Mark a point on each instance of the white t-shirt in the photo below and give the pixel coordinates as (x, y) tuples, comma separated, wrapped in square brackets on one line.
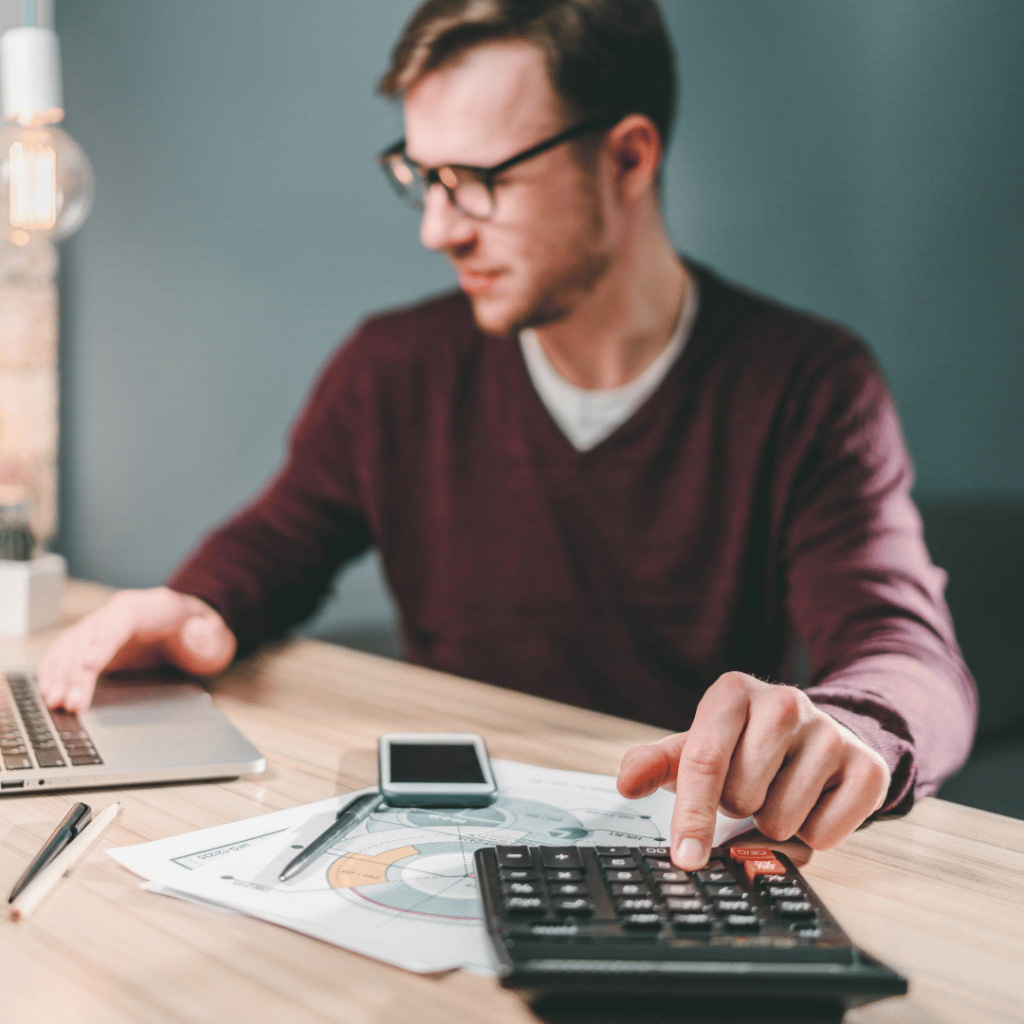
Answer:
[(588, 416)]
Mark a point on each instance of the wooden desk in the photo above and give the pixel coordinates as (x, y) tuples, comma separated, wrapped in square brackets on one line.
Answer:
[(939, 895)]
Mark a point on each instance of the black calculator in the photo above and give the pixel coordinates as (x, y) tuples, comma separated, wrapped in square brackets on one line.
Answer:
[(623, 921)]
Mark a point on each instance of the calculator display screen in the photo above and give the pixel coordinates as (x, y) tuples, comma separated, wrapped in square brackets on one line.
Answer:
[(431, 762)]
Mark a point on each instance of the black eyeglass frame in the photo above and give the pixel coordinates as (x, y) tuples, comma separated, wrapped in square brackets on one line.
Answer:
[(486, 175)]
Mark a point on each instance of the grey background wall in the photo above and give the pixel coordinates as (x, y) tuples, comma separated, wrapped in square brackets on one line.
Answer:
[(860, 158)]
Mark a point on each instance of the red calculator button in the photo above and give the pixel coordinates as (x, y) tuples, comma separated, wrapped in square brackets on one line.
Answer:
[(770, 866), (742, 853)]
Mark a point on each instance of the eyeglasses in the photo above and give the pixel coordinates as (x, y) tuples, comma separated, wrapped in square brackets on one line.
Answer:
[(470, 189)]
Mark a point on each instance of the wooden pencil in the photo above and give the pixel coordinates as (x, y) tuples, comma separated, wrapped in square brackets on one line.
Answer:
[(33, 893)]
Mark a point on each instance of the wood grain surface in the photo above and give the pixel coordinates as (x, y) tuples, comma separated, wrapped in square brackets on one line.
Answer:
[(938, 895)]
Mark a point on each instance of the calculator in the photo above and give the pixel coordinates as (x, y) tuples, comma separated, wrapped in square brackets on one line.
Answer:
[(624, 921)]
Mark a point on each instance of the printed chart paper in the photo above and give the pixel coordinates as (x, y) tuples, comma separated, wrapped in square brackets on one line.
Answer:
[(400, 887)]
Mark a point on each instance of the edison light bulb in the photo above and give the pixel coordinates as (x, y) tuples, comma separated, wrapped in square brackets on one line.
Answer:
[(46, 182)]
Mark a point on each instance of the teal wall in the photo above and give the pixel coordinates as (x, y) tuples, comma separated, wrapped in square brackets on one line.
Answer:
[(860, 158)]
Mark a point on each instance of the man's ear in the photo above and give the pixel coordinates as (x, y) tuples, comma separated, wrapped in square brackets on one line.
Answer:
[(635, 146)]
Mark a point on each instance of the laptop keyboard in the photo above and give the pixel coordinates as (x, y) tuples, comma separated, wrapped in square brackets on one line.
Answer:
[(29, 732)]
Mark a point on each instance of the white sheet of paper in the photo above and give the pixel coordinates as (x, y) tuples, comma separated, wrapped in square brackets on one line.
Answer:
[(400, 887)]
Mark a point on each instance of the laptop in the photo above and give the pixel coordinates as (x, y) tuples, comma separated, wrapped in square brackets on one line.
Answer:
[(140, 729)]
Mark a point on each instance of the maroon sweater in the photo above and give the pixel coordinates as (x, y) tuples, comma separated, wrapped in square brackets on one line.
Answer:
[(761, 492)]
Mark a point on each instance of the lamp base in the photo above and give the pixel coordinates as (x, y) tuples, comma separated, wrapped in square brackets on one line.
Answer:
[(31, 593)]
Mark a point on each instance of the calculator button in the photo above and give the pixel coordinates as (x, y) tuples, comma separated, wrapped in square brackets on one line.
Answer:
[(560, 857), (671, 876), (714, 875), (613, 851), (784, 892), (805, 932), (743, 923), (795, 909), (580, 907), (517, 875), (693, 905), (625, 876), (641, 922), (734, 907), (630, 889), (770, 866), (628, 905), (691, 922), (618, 862), (672, 889), (742, 853), (725, 890), (513, 856), (522, 889), (531, 905), (647, 852), (568, 889), (566, 875)]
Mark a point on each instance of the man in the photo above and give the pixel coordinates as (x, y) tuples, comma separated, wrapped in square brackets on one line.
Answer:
[(597, 473)]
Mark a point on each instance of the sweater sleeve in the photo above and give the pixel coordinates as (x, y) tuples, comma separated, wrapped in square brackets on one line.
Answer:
[(267, 567), (865, 599)]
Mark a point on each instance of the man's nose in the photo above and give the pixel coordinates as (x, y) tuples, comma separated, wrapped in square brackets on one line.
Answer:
[(442, 226)]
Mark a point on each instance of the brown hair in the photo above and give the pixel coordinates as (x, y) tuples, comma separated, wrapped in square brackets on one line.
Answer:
[(603, 56)]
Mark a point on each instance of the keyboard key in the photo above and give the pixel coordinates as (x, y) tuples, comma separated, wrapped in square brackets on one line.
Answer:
[(560, 857), (514, 856), (15, 762), (50, 759), (568, 875), (77, 759)]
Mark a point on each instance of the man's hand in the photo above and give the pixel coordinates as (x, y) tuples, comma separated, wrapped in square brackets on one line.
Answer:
[(135, 629), (761, 749)]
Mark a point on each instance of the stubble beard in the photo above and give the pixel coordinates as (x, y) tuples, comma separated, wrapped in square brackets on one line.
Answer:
[(590, 260)]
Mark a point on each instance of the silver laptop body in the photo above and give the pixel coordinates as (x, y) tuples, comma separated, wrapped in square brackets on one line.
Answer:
[(141, 729)]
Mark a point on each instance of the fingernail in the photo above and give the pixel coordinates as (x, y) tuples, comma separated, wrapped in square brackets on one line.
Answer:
[(690, 854), (197, 636)]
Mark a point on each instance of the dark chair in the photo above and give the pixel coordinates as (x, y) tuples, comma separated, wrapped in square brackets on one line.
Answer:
[(980, 543)]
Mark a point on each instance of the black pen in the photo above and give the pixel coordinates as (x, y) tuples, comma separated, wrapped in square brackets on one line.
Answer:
[(74, 821), (349, 816)]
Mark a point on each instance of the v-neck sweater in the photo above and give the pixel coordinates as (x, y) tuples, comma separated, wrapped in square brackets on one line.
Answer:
[(761, 493)]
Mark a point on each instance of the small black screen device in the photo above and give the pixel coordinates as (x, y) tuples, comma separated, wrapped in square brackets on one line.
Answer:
[(435, 769)]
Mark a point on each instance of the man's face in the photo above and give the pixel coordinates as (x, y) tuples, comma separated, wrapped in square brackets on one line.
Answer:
[(545, 248)]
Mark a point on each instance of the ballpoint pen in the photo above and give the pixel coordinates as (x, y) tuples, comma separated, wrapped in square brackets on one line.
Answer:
[(349, 816), (74, 821)]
